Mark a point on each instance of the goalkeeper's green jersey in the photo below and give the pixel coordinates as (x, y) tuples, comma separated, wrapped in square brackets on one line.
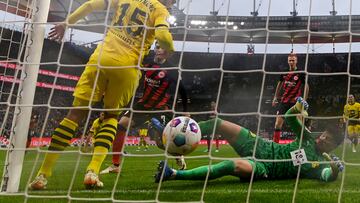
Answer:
[(272, 157), (308, 170)]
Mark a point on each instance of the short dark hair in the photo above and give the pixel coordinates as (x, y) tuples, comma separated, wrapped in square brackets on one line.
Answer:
[(292, 54), (336, 129)]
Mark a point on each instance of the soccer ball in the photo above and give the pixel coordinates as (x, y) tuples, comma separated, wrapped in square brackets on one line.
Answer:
[(181, 136)]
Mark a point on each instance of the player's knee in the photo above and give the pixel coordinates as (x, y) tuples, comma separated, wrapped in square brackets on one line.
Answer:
[(76, 115), (243, 168), (279, 123), (124, 122)]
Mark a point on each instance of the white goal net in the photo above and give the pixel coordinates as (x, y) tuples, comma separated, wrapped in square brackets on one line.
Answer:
[(229, 57)]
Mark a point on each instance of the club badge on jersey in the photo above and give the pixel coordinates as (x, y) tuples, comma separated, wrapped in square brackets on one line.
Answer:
[(161, 74)]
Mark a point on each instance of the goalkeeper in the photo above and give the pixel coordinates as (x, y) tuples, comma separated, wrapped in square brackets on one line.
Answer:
[(134, 28), (282, 167)]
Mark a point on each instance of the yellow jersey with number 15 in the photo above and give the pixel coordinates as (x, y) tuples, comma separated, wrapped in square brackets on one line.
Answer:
[(133, 27)]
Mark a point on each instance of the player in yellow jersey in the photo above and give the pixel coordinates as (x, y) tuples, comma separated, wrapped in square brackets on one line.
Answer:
[(95, 127), (143, 133), (111, 74), (351, 114)]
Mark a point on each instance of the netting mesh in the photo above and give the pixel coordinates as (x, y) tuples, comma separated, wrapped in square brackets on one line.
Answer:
[(242, 86)]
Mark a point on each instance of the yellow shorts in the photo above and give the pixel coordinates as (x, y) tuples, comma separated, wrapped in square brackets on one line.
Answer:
[(115, 86), (353, 129)]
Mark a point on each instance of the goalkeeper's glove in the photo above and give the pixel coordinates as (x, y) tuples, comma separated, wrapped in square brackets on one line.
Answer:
[(335, 160), (301, 106)]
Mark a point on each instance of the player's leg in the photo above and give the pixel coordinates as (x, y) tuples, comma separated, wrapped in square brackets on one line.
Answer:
[(239, 168), (156, 126), (145, 144), (141, 143), (279, 122), (103, 141), (217, 142), (60, 139), (118, 145), (120, 88), (29, 137), (356, 136), (208, 143), (351, 136), (277, 128), (64, 132)]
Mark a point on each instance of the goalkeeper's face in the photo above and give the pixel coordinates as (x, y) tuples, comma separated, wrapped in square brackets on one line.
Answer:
[(326, 142)]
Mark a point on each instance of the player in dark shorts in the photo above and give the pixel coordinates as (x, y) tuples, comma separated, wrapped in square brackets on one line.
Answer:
[(272, 160), (156, 96), (290, 87)]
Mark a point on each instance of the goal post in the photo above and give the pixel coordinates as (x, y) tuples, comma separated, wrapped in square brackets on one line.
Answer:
[(26, 92)]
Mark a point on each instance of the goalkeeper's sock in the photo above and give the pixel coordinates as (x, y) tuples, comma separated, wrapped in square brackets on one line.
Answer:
[(60, 139), (207, 127), (103, 141), (117, 146), (216, 170), (276, 136)]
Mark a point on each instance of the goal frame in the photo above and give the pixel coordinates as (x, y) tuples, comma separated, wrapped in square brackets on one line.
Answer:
[(25, 95)]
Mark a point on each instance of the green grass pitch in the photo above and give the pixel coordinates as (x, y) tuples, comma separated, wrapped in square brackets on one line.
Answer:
[(136, 182)]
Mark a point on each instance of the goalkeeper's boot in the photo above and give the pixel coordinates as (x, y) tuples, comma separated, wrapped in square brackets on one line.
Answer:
[(111, 169), (92, 181), (181, 163), (168, 172), (39, 183)]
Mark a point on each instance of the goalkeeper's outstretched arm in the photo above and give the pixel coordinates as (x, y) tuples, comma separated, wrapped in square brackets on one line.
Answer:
[(296, 126)]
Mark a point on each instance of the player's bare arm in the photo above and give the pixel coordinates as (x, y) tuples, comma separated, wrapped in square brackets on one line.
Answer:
[(57, 32), (306, 91), (277, 93)]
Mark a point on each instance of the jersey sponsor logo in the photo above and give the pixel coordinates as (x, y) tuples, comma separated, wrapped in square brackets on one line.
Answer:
[(290, 84), (296, 77), (315, 164), (161, 74), (152, 82)]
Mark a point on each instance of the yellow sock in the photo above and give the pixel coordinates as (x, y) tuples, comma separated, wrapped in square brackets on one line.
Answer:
[(103, 142), (48, 163), (60, 139)]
